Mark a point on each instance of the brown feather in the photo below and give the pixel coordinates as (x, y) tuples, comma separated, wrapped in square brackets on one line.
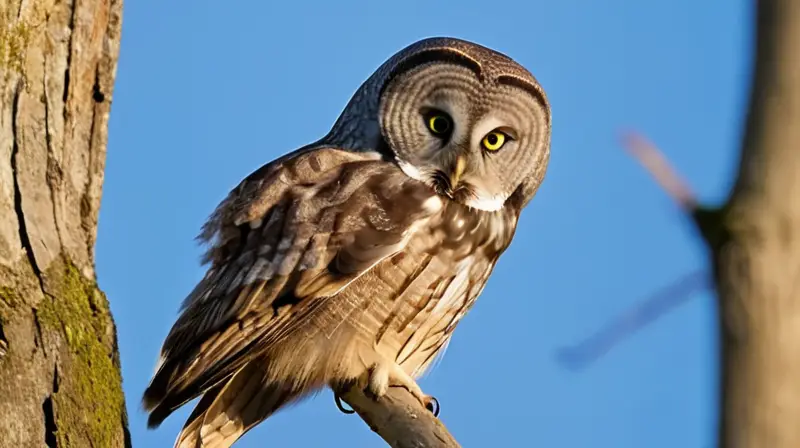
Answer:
[(235, 314), (328, 264)]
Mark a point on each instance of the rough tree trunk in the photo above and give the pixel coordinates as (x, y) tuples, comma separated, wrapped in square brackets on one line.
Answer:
[(60, 383), (755, 241)]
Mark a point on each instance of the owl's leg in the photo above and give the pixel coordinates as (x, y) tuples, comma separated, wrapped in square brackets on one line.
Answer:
[(384, 375)]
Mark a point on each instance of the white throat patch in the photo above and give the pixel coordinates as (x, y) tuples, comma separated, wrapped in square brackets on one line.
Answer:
[(410, 170), (490, 204)]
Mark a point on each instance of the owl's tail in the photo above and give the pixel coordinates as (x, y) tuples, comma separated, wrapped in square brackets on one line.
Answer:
[(230, 409)]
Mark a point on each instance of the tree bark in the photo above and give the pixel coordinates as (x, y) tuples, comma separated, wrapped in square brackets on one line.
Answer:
[(60, 383), (755, 244)]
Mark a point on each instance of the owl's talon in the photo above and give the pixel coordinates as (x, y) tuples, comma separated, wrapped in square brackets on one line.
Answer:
[(433, 405), (340, 405), (371, 394)]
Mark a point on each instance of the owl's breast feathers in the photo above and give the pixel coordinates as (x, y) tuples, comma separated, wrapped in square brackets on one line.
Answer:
[(316, 228)]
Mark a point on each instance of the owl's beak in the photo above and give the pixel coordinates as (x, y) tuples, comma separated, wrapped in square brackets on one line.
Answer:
[(458, 170)]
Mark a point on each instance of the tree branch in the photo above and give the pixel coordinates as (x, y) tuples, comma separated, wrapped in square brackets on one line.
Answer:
[(754, 245), (654, 162), (400, 419), (590, 349), (657, 165)]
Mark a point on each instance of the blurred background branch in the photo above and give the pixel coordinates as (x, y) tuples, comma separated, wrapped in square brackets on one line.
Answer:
[(754, 248), (584, 353)]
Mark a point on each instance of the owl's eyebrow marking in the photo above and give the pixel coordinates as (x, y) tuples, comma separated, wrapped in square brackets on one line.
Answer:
[(448, 55), (524, 84)]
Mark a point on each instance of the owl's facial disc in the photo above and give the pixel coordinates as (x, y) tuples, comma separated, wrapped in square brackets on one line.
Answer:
[(495, 160), (476, 134), (454, 159)]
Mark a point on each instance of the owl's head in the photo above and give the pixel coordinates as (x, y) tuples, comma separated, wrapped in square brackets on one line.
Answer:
[(467, 120)]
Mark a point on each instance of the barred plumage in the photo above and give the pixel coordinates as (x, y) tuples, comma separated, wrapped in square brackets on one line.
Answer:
[(337, 261)]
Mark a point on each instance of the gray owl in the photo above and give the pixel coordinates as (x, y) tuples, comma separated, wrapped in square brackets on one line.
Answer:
[(352, 259)]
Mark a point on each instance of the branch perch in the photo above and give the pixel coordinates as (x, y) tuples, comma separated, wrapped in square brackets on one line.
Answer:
[(400, 419)]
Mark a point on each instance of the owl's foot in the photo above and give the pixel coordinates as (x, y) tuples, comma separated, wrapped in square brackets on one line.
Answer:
[(340, 405), (385, 375)]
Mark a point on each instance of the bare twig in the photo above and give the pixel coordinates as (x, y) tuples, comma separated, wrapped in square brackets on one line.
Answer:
[(657, 165), (589, 350), (580, 355), (400, 419)]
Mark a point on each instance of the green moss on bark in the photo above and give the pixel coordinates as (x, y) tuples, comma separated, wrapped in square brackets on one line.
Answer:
[(88, 402), (8, 296), (8, 301), (16, 37)]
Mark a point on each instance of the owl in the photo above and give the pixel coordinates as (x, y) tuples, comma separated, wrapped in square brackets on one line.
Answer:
[(351, 260)]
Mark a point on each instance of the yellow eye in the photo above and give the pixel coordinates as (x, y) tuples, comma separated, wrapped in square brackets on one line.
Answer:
[(439, 124), (494, 141)]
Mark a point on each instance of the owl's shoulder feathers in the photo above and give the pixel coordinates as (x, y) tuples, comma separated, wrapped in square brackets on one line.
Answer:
[(293, 233)]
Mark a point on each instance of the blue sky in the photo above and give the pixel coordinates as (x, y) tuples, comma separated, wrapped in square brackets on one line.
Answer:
[(206, 93)]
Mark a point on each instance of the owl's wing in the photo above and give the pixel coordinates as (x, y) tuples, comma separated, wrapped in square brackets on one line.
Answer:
[(291, 235)]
